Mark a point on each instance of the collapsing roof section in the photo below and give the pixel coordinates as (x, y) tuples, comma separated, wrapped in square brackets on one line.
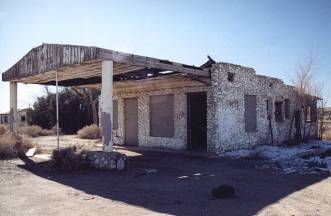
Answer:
[(81, 66)]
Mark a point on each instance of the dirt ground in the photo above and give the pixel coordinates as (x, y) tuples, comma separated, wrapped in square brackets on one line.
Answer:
[(159, 183)]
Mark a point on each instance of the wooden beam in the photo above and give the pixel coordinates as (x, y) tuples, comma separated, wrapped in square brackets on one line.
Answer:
[(83, 62), (153, 84), (150, 62), (75, 82), (49, 57)]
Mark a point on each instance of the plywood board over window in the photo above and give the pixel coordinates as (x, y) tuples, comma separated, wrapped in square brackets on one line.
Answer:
[(250, 113), (161, 115)]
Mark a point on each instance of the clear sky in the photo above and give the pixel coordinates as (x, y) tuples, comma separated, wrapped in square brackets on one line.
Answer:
[(274, 37)]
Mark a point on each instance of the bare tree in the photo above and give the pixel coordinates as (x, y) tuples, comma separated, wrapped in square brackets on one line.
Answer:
[(307, 93), (322, 127)]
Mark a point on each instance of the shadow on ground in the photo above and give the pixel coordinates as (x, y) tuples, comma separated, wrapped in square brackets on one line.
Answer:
[(181, 184)]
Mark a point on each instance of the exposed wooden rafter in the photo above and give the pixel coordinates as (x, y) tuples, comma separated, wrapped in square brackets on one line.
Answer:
[(150, 62), (81, 65)]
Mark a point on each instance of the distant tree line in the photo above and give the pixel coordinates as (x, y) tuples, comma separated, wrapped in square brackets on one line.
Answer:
[(77, 107)]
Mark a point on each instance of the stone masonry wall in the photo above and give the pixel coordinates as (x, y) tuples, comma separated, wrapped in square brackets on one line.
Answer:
[(226, 108), (179, 141), (225, 111)]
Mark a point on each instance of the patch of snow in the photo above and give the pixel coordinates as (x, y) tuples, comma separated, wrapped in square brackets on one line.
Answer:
[(303, 158)]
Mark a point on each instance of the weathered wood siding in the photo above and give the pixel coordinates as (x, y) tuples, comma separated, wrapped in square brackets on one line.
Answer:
[(49, 57)]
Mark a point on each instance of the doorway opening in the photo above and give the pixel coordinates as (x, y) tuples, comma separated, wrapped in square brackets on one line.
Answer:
[(197, 121)]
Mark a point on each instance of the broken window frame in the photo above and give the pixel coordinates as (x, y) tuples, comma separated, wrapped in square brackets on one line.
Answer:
[(230, 77)]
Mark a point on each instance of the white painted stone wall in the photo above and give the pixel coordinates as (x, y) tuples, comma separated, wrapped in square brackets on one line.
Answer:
[(179, 141), (226, 105), (225, 111)]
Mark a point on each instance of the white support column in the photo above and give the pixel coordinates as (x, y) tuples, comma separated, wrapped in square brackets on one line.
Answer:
[(107, 105), (13, 107)]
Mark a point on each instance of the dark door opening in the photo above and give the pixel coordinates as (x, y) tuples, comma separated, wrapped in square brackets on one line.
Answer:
[(197, 121), (131, 121)]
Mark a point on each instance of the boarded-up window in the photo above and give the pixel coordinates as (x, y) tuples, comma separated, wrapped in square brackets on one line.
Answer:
[(287, 108), (161, 120), (115, 115), (250, 113), (279, 111)]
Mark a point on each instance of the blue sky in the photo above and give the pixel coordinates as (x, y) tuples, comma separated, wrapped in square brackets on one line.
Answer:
[(274, 37)]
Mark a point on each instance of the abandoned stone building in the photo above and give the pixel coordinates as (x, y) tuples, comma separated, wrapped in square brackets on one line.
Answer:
[(158, 103), (22, 117)]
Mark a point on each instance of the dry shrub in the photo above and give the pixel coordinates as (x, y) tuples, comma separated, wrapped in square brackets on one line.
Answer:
[(89, 132), (23, 145), (34, 131), (7, 146), (68, 159), (3, 129), (53, 130), (12, 146)]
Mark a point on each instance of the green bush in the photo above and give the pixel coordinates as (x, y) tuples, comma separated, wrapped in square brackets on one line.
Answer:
[(89, 132)]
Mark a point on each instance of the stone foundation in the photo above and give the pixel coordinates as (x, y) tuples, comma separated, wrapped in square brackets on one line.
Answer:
[(106, 160)]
